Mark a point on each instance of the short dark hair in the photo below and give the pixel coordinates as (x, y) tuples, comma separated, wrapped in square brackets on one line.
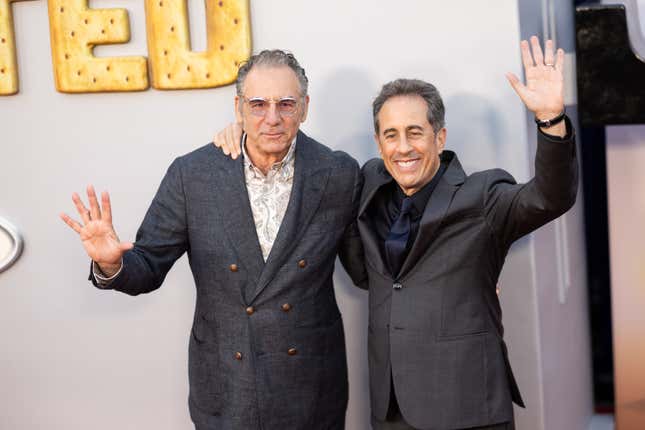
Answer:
[(412, 87), (272, 58)]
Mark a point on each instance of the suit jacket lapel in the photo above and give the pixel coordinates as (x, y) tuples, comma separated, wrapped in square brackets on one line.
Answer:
[(309, 181), (434, 213), (232, 199)]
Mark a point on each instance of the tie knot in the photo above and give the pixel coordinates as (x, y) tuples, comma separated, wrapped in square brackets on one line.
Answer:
[(406, 205)]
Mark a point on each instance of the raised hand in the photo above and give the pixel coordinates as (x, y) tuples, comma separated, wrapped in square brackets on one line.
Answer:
[(228, 140), (96, 231), (543, 93)]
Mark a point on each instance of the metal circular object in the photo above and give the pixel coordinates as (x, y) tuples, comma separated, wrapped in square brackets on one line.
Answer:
[(14, 254)]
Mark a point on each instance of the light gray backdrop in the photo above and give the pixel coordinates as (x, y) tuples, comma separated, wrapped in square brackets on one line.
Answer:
[(73, 357)]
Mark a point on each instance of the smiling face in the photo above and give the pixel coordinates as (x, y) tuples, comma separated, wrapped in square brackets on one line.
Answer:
[(408, 145), (270, 135)]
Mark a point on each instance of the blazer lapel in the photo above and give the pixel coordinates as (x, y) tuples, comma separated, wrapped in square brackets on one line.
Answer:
[(434, 213), (232, 199), (309, 182)]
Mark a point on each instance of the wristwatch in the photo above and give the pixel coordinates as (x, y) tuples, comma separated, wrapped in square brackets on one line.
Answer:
[(546, 123)]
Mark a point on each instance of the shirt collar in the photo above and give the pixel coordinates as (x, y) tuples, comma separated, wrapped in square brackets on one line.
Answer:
[(285, 166), (420, 198)]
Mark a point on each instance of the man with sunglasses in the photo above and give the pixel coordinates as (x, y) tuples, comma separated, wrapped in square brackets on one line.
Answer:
[(262, 233)]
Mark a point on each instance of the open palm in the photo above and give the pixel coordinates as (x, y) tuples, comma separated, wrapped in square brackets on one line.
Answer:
[(543, 93), (96, 231)]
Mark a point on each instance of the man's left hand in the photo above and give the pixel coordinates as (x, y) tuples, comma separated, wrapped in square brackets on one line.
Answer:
[(543, 93)]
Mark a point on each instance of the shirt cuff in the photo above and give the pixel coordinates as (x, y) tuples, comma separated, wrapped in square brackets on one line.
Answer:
[(101, 278)]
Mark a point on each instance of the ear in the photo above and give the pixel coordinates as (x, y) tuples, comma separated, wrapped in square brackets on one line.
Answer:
[(238, 110), (441, 139), (305, 109)]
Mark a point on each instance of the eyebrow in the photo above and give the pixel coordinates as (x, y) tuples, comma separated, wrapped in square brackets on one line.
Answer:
[(408, 128), (264, 99)]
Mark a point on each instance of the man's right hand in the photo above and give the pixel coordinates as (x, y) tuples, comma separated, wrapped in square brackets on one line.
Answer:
[(97, 233), (228, 140)]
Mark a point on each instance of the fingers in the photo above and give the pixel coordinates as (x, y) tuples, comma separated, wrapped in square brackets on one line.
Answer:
[(107, 206), (70, 222), (126, 246), (81, 209), (217, 140), (559, 61), (537, 51), (527, 60), (237, 129), (94, 213), (535, 57), (549, 59), (229, 139), (233, 134), (519, 88), (95, 210)]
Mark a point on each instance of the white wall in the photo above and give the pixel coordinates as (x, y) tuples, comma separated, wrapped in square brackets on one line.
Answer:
[(74, 357)]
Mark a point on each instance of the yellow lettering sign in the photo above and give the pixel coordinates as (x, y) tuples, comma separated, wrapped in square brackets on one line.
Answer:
[(8, 63), (75, 29), (175, 66)]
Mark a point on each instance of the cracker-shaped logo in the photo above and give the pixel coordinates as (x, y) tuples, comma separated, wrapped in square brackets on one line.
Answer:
[(8, 64), (175, 66), (75, 29)]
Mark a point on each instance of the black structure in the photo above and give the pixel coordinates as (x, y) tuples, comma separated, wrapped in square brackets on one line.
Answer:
[(611, 90), (611, 77)]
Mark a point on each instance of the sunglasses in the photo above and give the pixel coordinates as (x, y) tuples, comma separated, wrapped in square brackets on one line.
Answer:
[(259, 106)]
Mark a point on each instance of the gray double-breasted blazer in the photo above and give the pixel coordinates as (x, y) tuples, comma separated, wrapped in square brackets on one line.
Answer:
[(436, 330), (267, 348)]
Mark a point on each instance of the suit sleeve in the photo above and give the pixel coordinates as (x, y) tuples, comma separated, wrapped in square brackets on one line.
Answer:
[(350, 249), (514, 210), (160, 241)]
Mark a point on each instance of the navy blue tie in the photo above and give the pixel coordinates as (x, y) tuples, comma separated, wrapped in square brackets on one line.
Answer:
[(397, 238)]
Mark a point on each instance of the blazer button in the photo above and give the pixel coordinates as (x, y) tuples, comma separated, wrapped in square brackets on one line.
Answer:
[(397, 286), (292, 351), (238, 355), (250, 310), (286, 307), (233, 267), (302, 264)]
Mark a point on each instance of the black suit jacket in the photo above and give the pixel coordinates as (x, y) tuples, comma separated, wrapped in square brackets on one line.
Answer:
[(440, 335), (267, 347)]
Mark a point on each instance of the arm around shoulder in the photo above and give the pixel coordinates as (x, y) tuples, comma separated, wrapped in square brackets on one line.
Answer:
[(350, 250)]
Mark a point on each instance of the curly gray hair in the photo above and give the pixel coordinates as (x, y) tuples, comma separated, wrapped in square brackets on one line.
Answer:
[(272, 58)]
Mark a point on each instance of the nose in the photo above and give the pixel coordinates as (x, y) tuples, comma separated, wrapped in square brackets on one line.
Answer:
[(272, 116), (403, 146)]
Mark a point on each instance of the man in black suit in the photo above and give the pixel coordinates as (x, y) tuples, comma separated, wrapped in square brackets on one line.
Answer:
[(435, 241)]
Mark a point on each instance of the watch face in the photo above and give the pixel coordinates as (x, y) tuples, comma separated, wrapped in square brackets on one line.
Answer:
[(10, 244)]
